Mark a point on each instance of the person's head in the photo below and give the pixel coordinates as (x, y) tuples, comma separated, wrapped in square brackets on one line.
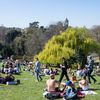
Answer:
[(69, 83), (52, 76), (51, 69)]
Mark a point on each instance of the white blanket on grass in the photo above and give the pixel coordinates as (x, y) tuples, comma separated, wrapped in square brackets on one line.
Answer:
[(89, 92)]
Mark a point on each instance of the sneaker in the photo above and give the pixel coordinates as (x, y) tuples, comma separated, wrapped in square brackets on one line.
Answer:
[(95, 81), (18, 81), (7, 83)]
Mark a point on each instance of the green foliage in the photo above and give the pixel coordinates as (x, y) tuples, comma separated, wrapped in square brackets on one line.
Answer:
[(6, 51), (31, 40), (11, 35), (67, 44)]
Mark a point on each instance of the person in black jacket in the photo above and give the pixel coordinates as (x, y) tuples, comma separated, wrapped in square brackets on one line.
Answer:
[(90, 70), (64, 67)]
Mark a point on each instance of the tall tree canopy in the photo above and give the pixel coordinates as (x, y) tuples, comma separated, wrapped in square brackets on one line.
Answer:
[(67, 44)]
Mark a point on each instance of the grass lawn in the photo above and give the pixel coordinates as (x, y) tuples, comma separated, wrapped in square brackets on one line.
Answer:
[(29, 89)]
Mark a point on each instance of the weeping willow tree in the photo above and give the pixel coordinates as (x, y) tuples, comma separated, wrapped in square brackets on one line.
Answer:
[(67, 44)]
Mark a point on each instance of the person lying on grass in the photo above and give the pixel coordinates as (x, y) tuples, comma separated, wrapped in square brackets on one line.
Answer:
[(2, 79), (9, 79)]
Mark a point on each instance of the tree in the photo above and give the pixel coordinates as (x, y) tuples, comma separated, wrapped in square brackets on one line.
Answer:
[(34, 24), (6, 51), (95, 33), (67, 45), (18, 46), (11, 35), (66, 24)]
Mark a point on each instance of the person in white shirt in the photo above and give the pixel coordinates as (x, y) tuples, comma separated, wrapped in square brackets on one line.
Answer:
[(84, 83)]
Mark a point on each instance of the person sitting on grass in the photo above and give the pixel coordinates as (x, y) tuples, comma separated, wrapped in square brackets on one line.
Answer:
[(2, 80), (10, 80), (71, 92), (83, 84), (73, 78), (56, 71), (51, 84), (52, 87), (9, 77), (52, 71), (97, 72), (46, 70)]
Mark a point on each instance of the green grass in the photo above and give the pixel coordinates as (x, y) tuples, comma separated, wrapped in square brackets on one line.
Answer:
[(29, 89)]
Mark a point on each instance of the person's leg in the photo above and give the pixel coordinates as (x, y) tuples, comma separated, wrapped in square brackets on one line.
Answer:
[(92, 76), (88, 74), (40, 76), (66, 75), (37, 75), (61, 76)]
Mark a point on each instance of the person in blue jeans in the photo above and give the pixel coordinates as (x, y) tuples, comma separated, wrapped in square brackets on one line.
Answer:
[(38, 70)]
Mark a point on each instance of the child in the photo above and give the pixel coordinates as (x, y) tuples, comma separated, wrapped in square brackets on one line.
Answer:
[(84, 84), (73, 78)]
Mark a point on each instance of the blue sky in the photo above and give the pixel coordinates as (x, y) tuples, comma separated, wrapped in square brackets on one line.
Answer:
[(19, 13)]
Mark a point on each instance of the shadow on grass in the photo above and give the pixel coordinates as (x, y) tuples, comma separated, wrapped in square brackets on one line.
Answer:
[(94, 89)]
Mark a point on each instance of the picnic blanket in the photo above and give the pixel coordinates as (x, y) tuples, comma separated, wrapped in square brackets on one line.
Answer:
[(89, 92)]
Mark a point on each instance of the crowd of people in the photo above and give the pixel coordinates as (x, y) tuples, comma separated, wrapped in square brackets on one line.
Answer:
[(10, 66), (54, 88), (69, 88)]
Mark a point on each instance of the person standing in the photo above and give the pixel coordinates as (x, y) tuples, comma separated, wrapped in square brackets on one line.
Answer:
[(64, 68), (90, 70), (38, 70)]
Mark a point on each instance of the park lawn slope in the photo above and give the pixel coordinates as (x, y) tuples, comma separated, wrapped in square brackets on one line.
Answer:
[(29, 89)]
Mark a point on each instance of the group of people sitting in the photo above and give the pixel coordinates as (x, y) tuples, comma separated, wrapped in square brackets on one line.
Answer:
[(81, 72), (65, 90), (48, 71), (10, 66), (28, 65), (9, 79)]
